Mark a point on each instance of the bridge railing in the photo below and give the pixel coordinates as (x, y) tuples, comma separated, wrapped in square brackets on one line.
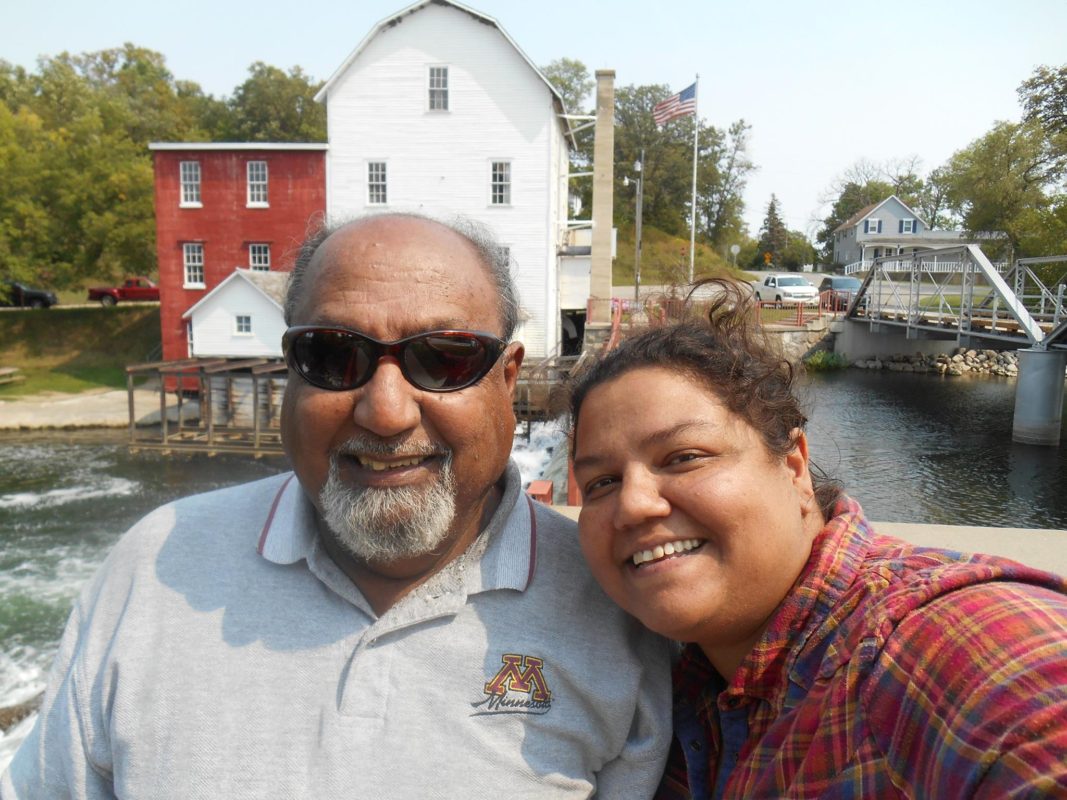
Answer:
[(955, 290)]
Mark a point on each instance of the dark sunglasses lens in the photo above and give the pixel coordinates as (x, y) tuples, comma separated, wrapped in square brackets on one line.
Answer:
[(332, 359), (441, 361)]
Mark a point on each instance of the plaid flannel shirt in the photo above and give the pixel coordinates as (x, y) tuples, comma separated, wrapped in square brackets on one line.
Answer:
[(890, 671)]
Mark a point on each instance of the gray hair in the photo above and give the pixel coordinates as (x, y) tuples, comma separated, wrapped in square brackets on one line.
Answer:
[(494, 256)]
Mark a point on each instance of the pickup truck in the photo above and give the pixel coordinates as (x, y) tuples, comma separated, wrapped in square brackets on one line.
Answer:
[(138, 288)]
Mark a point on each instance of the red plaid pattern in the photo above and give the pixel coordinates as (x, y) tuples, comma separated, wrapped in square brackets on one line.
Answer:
[(891, 671)]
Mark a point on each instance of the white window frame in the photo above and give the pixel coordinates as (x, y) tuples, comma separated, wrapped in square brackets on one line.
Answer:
[(257, 184), (189, 180), (193, 264), (874, 226), (241, 321), (377, 181), (437, 88), (259, 256), (908, 226), (500, 182)]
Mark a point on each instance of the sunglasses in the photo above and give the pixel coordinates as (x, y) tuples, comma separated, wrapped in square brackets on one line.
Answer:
[(338, 359)]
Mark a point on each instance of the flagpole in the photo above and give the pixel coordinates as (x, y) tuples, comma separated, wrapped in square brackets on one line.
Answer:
[(693, 206)]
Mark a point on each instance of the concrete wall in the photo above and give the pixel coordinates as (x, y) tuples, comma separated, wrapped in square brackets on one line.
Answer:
[(855, 340)]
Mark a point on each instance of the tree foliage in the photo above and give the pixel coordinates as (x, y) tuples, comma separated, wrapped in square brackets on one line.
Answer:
[(76, 177), (572, 80), (1000, 182), (723, 165), (275, 106), (773, 237), (1044, 99)]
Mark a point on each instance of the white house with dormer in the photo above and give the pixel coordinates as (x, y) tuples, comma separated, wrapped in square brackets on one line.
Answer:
[(887, 228), (438, 110)]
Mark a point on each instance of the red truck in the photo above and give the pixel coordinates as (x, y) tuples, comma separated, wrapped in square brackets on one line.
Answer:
[(139, 288)]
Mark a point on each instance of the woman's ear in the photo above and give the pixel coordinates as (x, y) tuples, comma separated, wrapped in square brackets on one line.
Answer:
[(797, 462)]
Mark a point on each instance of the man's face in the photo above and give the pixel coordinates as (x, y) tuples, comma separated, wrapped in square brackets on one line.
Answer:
[(401, 476)]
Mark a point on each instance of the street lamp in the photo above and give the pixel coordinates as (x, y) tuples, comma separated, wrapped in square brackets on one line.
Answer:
[(626, 181)]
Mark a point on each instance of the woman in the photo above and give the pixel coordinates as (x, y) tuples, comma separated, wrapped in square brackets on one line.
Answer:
[(821, 659)]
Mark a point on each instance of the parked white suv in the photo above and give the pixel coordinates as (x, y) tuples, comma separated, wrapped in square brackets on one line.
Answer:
[(786, 289)]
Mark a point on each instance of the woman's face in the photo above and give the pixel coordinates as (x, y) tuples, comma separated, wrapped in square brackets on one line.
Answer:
[(687, 521)]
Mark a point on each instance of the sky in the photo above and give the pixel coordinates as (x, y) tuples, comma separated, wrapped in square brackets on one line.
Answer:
[(823, 84)]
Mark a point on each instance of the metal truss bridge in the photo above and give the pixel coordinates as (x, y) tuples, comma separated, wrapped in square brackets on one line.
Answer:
[(957, 292)]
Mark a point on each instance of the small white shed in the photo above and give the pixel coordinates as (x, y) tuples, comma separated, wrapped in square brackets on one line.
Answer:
[(240, 318)]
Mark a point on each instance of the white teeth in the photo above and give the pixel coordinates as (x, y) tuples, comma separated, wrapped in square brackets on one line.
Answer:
[(379, 466), (662, 551)]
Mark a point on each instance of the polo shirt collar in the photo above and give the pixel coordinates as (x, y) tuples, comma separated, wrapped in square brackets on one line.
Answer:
[(511, 551)]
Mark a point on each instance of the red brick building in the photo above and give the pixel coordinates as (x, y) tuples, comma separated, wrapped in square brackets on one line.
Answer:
[(220, 206)]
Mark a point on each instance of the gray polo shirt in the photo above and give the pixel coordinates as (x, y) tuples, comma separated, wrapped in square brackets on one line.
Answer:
[(220, 652)]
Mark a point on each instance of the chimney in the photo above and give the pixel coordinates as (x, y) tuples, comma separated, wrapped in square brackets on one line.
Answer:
[(603, 193)]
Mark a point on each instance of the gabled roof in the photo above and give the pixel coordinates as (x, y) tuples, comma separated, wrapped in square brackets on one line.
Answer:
[(863, 213), (398, 17), (271, 285)]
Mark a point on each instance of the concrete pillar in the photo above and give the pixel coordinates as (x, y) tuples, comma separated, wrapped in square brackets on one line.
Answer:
[(1039, 397), (603, 194)]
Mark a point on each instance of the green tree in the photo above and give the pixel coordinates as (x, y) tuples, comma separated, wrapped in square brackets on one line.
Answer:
[(667, 166), (774, 236), (798, 251), (1044, 99), (722, 167), (572, 80), (76, 184), (724, 170), (1004, 182), (275, 106)]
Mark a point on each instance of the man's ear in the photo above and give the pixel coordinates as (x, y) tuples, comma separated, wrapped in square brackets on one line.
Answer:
[(512, 362)]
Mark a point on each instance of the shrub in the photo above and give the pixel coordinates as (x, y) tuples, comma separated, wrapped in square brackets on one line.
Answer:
[(825, 361)]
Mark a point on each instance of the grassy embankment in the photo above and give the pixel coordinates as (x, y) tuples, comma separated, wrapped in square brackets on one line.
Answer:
[(665, 259), (75, 349)]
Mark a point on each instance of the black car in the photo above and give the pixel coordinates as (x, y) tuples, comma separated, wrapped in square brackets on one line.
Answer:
[(841, 291), (13, 293)]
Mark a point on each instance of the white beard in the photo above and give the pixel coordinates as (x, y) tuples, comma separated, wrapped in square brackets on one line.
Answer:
[(384, 525)]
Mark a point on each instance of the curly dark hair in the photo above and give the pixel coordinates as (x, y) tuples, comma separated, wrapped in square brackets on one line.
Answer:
[(733, 358)]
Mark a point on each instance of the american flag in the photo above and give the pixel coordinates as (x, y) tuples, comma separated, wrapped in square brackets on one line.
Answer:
[(678, 105)]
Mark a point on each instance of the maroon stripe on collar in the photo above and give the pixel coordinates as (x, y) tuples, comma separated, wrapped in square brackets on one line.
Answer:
[(533, 541), (270, 516)]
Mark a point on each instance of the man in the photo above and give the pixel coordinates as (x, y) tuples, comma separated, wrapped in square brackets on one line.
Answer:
[(399, 620)]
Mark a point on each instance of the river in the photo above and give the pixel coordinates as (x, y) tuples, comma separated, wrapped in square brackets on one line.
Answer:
[(910, 448)]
